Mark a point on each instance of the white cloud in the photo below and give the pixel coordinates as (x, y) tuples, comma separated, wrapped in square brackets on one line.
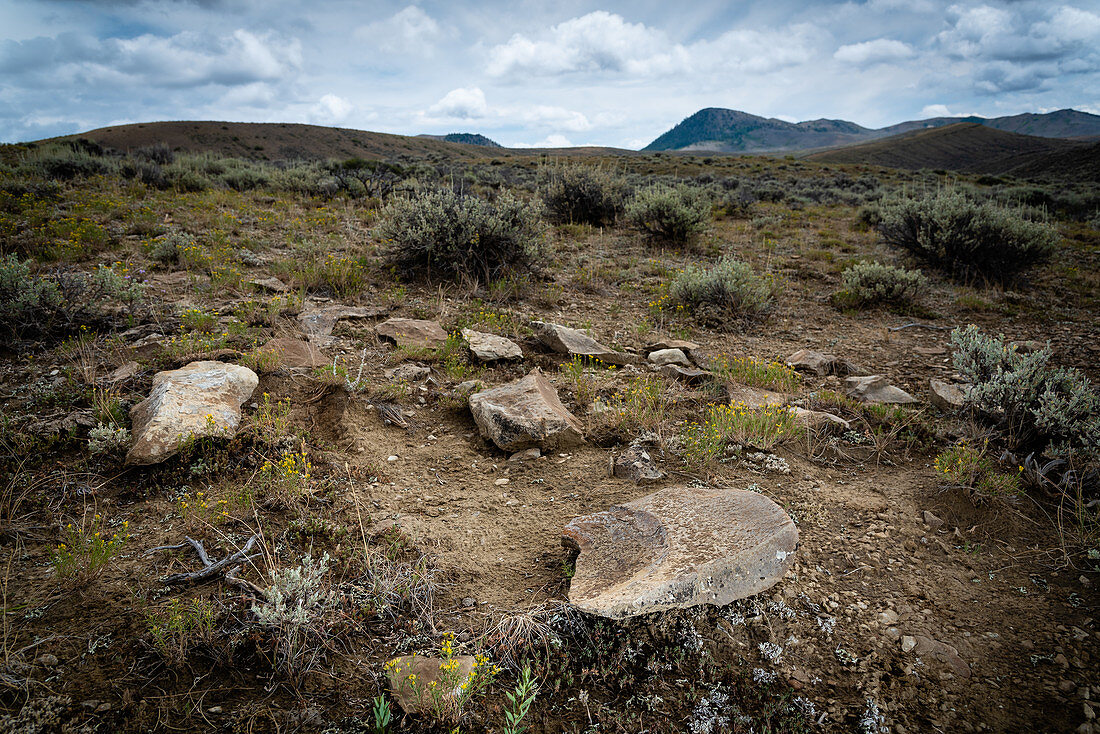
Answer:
[(331, 108), (408, 30), (550, 141), (465, 103), (602, 42), (874, 52)]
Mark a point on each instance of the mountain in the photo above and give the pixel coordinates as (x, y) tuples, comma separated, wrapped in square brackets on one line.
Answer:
[(972, 147), (467, 138), (731, 131)]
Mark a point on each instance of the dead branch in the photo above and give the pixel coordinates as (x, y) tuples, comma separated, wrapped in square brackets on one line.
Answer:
[(210, 568), (921, 326)]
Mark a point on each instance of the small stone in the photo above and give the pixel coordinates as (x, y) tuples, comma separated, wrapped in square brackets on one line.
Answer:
[(318, 321), (636, 465), (1066, 686), (46, 660), (469, 601), (888, 618), (408, 372), (1060, 659), (663, 357), (806, 360), (501, 482), (934, 523), (907, 643), (876, 389), (690, 375), (467, 387), (525, 455), (576, 343), (524, 414), (391, 458), (125, 372), (294, 353), (948, 396), (819, 420), (754, 397), (271, 285), (214, 710)]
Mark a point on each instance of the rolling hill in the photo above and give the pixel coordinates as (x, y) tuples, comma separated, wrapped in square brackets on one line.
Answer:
[(731, 131), (971, 147), (467, 138)]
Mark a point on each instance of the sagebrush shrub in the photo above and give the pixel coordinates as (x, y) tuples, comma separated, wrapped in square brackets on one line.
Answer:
[(729, 288), (29, 303), (670, 214), (966, 238), (293, 609), (869, 283), (448, 234), (581, 194), (1040, 406)]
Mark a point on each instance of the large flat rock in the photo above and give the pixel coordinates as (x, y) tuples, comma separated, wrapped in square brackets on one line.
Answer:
[(413, 333), (490, 347), (876, 389), (198, 399), (678, 548), (576, 343), (525, 414)]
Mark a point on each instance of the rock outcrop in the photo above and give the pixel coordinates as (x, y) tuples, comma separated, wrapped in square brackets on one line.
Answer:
[(678, 548), (199, 399), (525, 414)]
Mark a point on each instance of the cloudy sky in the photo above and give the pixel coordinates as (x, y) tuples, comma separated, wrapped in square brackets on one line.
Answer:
[(536, 73)]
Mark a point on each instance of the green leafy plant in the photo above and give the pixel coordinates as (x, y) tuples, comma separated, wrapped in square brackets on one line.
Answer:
[(870, 283), (973, 469), (87, 549), (179, 627), (519, 702), (380, 708), (729, 288)]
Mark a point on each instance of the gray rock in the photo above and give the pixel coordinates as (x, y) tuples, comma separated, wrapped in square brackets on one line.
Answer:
[(948, 396), (679, 547), (490, 347), (754, 397), (636, 465), (525, 456), (576, 343), (467, 387), (933, 522), (662, 357), (806, 360), (123, 373), (1028, 346), (271, 285), (524, 414), (688, 348), (319, 321), (818, 420), (408, 372), (876, 389), (690, 375), (412, 333), (199, 399)]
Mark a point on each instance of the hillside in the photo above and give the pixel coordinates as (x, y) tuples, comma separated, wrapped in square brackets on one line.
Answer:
[(731, 131), (972, 148), (277, 141), (467, 138)]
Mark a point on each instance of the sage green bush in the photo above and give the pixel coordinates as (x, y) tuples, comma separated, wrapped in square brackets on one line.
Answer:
[(673, 215), (965, 238), (442, 233), (871, 283), (728, 289), (582, 194)]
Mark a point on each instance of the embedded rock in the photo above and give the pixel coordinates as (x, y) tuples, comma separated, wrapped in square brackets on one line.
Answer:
[(663, 357), (818, 420), (490, 347), (636, 465), (525, 414), (876, 389), (199, 399), (408, 372), (690, 375), (123, 373), (688, 348), (294, 353), (413, 333), (806, 360), (576, 343), (271, 285), (946, 655), (319, 321), (413, 679), (948, 396), (677, 548), (754, 397)]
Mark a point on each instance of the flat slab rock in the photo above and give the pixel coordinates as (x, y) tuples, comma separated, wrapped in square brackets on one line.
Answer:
[(294, 353), (525, 414), (319, 321), (948, 396), (413, 333), (576, 343), (689, 375), (415, 695), (754, 397), (807, 360), (490, 347), (199, 399), (678, 548), (876, 389)]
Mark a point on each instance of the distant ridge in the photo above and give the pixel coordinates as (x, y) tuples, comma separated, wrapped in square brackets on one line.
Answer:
[(731, 131), (466, 138), (971, 147)]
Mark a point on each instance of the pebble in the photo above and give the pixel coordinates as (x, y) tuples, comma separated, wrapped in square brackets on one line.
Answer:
[(391, 458), (501, 482), (214, 710), (47, 660), (469, 602), (907, 643), (888, 618)]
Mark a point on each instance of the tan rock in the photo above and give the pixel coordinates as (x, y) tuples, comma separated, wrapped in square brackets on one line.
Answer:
[(663, 357), (319, 321), (271, 284), (807, 360), (754, 397), (678, 548), (413, 679), (490, 347), (948, 396), (876, 389), (944, 654), (576, 343), (294, 353), (818, 420), (199, 399), (525, 414), (690, 375), (413, 333)]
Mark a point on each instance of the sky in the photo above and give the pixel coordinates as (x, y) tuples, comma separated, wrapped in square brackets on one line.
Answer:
[(537, 73)]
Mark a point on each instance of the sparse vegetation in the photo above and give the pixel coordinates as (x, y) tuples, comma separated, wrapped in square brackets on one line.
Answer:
[(582, 194), (670, 215)]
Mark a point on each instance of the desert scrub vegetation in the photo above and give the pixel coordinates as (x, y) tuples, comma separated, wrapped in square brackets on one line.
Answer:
[(670, 214), (581, 194), (451, 235), (293, 610), (772, 375), (872, 283), (725, 429), (1039, 406), (445, 697), (728, 289), (964, 238), (980, 475), (86, 549)]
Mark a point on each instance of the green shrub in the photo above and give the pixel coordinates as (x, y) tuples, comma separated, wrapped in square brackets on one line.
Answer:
[(580, 194), (28, 302), (1041, 407), (449, 234), (974, 470), (670, 214), (167, 250), (965, 238), (869, 283), (730, 288)]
